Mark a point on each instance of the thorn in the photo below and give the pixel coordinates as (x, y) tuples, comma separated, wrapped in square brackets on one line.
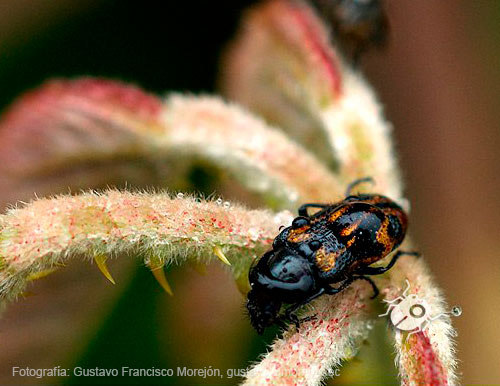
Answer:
[(160, 277), (40, 274), (220, 255), (100, 260)]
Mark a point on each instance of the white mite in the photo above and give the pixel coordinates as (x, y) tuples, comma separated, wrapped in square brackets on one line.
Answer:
[(411, 313)]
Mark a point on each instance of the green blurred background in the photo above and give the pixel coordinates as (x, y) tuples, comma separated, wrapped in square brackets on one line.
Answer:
[(439, 80)]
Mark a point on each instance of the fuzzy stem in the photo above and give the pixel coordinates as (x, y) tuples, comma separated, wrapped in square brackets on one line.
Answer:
[(261, 157), (305, 358), (65, 125), (152, 226), (427, 357)]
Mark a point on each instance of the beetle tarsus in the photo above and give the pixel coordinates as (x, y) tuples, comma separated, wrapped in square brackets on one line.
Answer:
[(299, 321)]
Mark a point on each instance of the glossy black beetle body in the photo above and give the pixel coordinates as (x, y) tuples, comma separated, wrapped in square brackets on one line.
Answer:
[(335, 245)]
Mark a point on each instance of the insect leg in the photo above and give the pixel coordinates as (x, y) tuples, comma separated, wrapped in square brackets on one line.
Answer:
[(438, 316), (347, 283), (303, 208), (332, 291), (374, 287), (389, 309), (355, 183), (290, 311), (400, 298), (417, 330), (405, 293), (380, 270)]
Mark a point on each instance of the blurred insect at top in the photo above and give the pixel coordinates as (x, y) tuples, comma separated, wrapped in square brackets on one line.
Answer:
[(357, 25)]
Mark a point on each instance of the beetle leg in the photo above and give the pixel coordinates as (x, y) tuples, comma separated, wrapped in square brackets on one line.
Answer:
[(290, 311), (303, 208), (355, 183), (332, 291), (374, 287), (308, 318), (380, 270), (347, 283), (295, 320)]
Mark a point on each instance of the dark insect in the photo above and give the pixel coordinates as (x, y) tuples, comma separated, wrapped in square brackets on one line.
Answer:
[(357, 25), (335, 245)]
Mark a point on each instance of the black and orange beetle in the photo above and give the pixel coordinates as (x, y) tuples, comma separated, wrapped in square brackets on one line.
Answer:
[(334, 245)]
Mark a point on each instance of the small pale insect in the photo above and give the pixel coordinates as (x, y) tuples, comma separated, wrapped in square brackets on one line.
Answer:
[(411, 313)]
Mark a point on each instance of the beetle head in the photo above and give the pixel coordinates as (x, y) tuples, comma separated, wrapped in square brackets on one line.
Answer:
[(262, 308), (280, 276)]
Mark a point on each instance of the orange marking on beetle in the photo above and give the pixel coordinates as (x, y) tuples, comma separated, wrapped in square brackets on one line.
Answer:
[(351, 241), (364, 262), (326, 261), (351, 228), (383, 236), (348, 230), (336, 214), (299, 235)]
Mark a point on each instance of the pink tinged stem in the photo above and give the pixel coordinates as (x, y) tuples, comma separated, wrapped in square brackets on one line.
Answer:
[(427, 356), (420, 364), (334, 335), (156, 227)]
